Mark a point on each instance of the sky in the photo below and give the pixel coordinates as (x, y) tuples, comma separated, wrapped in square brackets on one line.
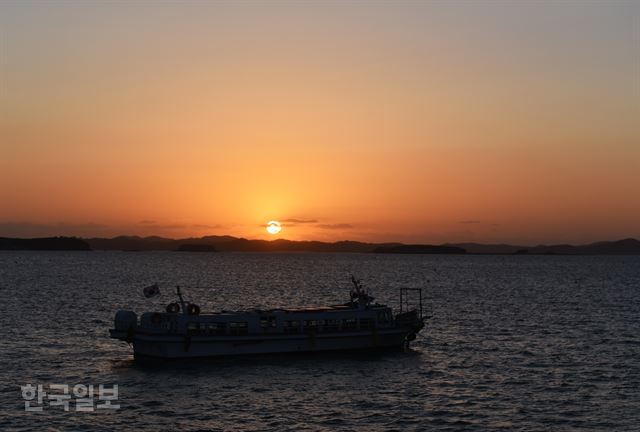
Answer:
[(411, 121)]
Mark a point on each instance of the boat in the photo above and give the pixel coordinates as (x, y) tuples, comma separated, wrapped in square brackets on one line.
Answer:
[(182, 331)]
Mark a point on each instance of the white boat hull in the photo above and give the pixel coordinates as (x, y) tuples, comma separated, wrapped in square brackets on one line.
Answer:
[(177, 347)]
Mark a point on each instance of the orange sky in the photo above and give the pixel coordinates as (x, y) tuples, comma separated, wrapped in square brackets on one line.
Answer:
[(399, 121)]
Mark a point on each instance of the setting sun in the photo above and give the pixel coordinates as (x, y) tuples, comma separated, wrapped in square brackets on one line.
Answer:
[(273, 227)]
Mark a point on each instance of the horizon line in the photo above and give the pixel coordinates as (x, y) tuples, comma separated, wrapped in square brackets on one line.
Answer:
[(328, 242)]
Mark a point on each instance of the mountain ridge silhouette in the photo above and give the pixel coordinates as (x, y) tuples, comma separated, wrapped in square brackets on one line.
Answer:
[(226, 243)]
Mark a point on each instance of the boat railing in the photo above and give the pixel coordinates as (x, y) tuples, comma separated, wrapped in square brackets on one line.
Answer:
[(408, 304)]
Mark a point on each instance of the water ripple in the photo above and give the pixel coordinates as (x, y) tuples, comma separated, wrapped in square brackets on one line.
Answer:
[(515, 343)]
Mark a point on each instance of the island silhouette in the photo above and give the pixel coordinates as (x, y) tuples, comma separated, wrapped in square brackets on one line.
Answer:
[(629, 246)]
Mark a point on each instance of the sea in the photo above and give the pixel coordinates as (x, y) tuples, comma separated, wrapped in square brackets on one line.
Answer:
[(530, 343)]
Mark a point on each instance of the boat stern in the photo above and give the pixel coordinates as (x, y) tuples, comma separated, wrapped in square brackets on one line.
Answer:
[(411, 322), (125, 323)]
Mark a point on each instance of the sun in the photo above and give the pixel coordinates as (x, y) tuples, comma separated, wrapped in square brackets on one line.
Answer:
[(273, 227)]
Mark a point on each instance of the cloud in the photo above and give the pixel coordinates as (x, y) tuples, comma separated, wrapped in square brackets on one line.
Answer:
[(29, 229), (92, 229), (338, 226), (299, 221), (156, 225), (292, 222), (205, 226), (469, 222)]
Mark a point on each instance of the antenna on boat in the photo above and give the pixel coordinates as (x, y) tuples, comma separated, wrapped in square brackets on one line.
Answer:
[(357, 286), (182, 306), (359, 294), (357, 283)]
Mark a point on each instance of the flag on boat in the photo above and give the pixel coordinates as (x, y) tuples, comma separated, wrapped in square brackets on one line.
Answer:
[(151, 291)]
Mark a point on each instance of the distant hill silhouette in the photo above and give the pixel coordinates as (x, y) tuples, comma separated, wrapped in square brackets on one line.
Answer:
[(628, 246), (419, 249), (46, 243), (228, 244), (478, 248), (153, 243)]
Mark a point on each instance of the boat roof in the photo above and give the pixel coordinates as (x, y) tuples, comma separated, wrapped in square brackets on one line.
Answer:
[(307, 309), (316, 308)]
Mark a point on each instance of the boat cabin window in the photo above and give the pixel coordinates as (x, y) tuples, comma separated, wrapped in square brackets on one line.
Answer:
[(206, 328), (216, 328), (268, 322), (291, 326), (349, 324), (331, 325), (313, 325), (238, 328)]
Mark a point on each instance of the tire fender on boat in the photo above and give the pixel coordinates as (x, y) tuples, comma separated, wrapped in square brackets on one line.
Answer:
[(173, 308)]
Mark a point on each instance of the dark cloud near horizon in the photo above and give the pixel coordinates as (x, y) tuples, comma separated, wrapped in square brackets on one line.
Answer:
[(299, 221), (154, 224), (29, 229), (292, 222), (88, 229), (335, 226), (205, 226)]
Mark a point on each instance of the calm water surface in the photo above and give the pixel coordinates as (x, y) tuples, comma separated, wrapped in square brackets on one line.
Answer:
[(515, 343)]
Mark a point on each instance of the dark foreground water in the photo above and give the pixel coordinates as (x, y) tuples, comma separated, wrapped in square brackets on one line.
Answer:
[(515, 343)]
